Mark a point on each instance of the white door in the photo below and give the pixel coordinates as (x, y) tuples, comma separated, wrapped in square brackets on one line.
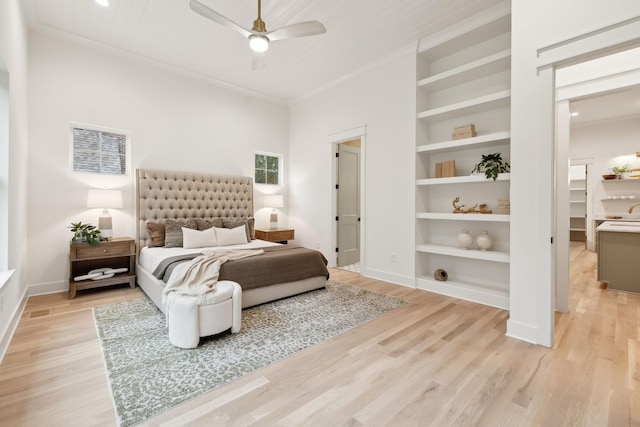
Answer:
[(348, 217)]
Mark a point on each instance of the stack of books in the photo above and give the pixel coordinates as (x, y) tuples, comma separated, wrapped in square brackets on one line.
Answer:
[(504, 207), (464, 131)]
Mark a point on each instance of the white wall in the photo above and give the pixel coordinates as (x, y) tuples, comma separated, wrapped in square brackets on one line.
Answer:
[(13, 55), (536, 25), (383, 99), (610, 143), (176, 123)]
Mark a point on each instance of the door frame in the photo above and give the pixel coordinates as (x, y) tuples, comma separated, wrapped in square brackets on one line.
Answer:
[(595, 44), (564, 97), (344, 148), (334, 139)]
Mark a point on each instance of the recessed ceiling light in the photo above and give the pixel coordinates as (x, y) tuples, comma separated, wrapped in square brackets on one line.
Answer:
[(104, 3), (575, 113)]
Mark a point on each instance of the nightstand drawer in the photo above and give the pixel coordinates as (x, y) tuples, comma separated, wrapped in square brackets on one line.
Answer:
[(106, 249), (278, 235)]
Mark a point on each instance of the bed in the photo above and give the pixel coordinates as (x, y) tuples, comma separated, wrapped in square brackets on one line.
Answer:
[(164, 197)]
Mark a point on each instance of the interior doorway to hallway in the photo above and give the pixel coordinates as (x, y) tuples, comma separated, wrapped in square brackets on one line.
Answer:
[(348, 188)]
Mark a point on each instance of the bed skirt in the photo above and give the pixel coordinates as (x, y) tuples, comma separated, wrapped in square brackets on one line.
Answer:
[(153, 288)]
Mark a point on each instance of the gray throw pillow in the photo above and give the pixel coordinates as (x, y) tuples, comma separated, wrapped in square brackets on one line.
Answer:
[(173, 231), (237, 222), (205, 224)]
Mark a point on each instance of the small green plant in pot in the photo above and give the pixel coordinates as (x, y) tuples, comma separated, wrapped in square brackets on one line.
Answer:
[(621, 170), (85, 233), (492, 165)]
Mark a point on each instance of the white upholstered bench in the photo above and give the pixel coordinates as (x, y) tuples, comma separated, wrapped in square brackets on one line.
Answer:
[(189, 321)]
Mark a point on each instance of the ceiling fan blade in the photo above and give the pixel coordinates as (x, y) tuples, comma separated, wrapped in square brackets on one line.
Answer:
[(211, 14), (301, 29), (258, 61)]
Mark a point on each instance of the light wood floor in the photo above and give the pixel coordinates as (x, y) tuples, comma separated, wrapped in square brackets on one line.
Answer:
[(437, 361)]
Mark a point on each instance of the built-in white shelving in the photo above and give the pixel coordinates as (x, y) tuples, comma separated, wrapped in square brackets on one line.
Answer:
[(483, 67), (463, 216), (492, 255), (463, 76), (477, 178), (487, 141), (578, 203), (467, 107)]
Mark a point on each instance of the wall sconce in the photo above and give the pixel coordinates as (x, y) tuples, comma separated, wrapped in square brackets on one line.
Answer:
[(105, 199), (274, 201), (637, 153)]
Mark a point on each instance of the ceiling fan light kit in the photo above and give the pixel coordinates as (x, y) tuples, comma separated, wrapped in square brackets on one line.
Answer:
[(258, 43), (258, 36)]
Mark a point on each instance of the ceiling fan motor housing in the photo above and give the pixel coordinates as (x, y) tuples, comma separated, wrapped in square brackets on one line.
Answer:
[(259, 26)]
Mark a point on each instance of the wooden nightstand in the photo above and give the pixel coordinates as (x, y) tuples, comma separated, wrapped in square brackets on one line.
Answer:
[(279, 235), (119, 252)]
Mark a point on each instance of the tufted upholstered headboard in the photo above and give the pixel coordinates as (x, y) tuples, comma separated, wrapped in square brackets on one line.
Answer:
[(162, 195)]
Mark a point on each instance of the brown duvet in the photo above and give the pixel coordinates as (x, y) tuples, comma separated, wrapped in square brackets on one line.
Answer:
[(278, 264)]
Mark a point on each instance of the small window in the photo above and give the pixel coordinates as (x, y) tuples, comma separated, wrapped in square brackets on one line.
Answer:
[(268, 169), (97, 150)]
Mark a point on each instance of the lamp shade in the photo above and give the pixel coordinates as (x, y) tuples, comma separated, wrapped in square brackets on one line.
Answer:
[(104, 199), (274, 201)]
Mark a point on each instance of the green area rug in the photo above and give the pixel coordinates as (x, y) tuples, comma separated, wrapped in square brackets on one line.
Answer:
[(148, 375)]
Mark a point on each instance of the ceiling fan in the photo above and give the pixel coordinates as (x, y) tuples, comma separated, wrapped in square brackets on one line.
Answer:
[(258, 36)]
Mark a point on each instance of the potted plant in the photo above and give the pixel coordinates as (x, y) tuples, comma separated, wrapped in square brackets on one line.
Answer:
[(491, 165), (85, 233), (621, 171)]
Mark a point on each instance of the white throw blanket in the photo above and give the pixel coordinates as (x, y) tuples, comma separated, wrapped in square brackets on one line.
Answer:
[(198, 277)]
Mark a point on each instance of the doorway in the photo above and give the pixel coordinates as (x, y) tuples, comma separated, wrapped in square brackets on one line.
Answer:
[(578, 195), (4, 166), (348, 202), (596, 128)]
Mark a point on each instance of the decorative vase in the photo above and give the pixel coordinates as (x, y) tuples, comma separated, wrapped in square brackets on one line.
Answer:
[(465, 240), (484, 241), (440, 275)]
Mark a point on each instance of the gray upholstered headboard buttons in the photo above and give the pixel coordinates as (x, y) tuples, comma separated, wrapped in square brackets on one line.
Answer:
[(162, 195)]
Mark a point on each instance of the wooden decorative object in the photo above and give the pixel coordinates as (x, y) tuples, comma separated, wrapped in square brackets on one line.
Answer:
[(446, 169), (464, 131), (482, 208), (438, 170), (457, 208)]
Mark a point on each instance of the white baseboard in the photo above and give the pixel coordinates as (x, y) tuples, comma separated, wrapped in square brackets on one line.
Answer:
[(522, 332), (47, 288), (388, 277), (11, 328), (467, 293)]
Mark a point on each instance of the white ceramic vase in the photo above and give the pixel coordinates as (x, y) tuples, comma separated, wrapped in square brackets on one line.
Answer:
[(484, 240), (465, 240)]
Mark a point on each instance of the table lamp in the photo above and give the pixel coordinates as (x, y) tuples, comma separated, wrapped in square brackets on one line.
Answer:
[(274, 201), (105, 199)]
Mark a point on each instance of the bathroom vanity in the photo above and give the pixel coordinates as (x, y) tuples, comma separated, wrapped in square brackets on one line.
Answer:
[(619, 255)]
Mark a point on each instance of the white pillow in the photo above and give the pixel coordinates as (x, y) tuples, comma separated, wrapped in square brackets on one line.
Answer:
[(198, 239), (231, 236)]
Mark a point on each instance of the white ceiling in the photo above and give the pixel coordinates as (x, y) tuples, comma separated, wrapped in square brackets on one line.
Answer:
[(359, 32), (605, 106)]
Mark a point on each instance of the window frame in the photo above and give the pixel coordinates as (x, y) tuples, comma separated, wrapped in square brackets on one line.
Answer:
[(102, 129), (280, 158)]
